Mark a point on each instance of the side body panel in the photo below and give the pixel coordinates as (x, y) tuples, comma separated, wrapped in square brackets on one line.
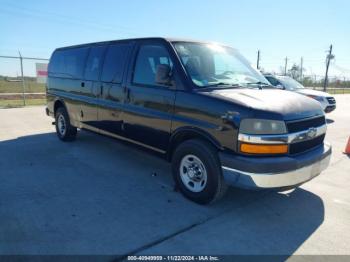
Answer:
[(111, 99), (217, 119), (148, 110)]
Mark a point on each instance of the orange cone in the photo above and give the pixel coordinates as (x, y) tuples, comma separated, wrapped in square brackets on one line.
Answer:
[(347, 148)]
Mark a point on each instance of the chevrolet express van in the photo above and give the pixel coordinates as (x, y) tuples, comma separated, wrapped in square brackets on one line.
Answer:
[(199, 104)]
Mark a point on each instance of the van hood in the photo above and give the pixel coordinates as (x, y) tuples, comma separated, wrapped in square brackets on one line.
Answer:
[(271, 103)]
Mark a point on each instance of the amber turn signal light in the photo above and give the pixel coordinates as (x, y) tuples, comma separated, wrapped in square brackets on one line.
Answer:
[(263, 149)]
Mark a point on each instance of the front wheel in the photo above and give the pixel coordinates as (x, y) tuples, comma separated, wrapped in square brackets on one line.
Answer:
[(197, 171), (65, 131)]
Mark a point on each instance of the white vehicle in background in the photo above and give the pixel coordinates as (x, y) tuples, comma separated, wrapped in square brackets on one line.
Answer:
[(327, 102)]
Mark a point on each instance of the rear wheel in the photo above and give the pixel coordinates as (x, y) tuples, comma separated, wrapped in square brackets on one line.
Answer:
[(65, 131), (197, 171)]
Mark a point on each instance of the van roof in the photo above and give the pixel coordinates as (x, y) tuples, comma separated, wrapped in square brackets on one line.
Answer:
[(168, 39)]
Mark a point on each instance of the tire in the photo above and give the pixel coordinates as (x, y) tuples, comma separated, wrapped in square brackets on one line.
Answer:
[(188, 162), (64, 130)]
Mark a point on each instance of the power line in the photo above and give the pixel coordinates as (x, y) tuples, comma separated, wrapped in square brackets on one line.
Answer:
[(56, 18), (50, 14), (340, 68)]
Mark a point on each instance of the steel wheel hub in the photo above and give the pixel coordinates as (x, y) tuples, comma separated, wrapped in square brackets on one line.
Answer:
[(61, 124), (193, 173)]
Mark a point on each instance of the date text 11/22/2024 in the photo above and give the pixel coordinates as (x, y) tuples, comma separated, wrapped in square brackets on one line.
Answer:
[(173, 258)]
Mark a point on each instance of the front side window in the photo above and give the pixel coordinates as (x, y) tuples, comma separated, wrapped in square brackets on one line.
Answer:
[(148, 58), (211, 64), (273, 80)]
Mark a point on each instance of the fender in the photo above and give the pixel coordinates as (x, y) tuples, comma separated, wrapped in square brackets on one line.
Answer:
[(60, 101), (57, 101), (188, 132)]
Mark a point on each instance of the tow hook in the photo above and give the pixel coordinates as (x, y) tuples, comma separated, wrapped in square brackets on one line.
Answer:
[(53, 123)]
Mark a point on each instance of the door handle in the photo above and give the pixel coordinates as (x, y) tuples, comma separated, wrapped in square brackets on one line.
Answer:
[(101, 91), (127, 94), (82, 84)]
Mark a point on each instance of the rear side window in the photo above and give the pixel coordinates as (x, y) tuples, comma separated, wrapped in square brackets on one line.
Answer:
[(94, 63), (115, 59), (68, 63), (148, 58)]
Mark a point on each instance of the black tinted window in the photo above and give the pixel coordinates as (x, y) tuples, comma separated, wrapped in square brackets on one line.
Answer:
[(94, 63), (56, 64), (114, 63), (148, 58), (68, 63), (273, 81)]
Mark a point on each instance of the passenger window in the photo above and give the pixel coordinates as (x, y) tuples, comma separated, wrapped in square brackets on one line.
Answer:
[(93, 64), (113, 66), (273, 81), (68, 62), (148, 58)]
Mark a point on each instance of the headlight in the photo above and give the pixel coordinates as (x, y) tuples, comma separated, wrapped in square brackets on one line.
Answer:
[(262, 127), (318, 98), (261, 130)]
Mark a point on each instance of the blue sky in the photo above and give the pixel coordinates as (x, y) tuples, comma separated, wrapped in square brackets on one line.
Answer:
[(278, 28)]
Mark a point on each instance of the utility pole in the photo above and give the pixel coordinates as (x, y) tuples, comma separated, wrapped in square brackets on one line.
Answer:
[(23, 84), (328, 60), (258, 61), (301, 69), (285, 66)]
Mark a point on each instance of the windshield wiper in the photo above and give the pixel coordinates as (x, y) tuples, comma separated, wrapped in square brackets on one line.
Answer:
[(222, 85), (259, 84)]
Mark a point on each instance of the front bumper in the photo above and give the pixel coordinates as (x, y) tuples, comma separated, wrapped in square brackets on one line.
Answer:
[(274, 172)]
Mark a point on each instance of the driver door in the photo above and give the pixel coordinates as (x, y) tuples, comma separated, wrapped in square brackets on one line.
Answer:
[(148, 108)]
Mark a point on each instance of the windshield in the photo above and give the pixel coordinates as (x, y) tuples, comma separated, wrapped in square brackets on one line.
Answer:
[(289, 83), (216, 65)]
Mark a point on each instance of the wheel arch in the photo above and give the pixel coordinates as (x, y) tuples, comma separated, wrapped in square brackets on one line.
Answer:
[(186, 133), (57, 104)]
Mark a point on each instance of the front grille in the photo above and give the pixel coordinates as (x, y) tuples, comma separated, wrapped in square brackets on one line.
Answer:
[(331, 100), (301, 125), (306, 145)]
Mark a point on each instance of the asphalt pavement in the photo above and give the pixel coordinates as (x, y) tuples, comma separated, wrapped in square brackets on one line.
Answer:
[(98, 195)]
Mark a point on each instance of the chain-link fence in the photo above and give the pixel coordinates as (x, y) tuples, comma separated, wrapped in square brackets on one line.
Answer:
[(336, 84), (22, 81)]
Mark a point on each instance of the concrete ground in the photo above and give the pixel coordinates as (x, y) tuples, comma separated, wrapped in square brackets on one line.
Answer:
[(100, 196)]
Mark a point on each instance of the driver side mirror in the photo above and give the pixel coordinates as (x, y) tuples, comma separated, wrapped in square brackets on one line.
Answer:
[(163, 75)]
